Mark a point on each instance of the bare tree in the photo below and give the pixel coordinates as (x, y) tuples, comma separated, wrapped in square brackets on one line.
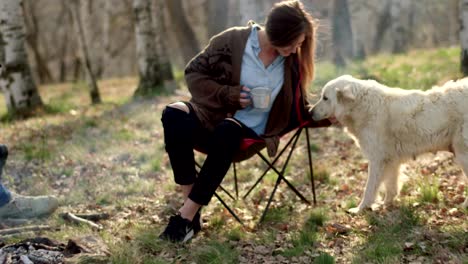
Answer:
[(149, 69), (464, 36), (65, 19), (115, 22), (342, 35), (89, 12), (250, 10), (184, 33), (401, 13), (383, 24), (217, 16), (32, 38), (76, 8), (454, 22), (107, 15), (16, 81), (165, 66)]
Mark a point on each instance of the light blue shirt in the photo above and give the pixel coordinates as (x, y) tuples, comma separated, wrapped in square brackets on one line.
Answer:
[(254, 74)]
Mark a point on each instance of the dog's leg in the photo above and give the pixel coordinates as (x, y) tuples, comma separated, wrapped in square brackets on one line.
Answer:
[(390, 181), (462, 159), (376, 170)]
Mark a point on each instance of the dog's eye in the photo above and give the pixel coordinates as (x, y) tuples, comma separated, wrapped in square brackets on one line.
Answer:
[(325, 98)]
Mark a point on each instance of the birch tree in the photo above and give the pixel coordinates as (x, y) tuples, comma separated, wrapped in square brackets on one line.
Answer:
[(161, 47), (65, 19), (342, 35), (16, 81), (149, 69), (33, 40), (88, 14), (183, 31), (77, 7), (401, 13), (107, 15), (249, 10), (464, 36), (383, 24), (217, 16)]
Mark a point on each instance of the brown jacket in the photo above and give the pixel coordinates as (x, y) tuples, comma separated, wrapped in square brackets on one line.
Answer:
[(213, 79)]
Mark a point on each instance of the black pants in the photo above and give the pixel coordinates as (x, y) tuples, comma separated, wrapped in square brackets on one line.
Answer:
[(183, 133)]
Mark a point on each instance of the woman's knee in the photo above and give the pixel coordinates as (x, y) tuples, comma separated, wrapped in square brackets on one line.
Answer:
[(178, 124), (229, 130), (181, 106), (175, 112), (230, 119)]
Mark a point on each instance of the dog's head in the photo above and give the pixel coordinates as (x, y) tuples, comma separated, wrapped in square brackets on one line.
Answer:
[(337, 97)]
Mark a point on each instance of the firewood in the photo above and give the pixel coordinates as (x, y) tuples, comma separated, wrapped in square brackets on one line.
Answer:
[(78, 220), (91, 216)]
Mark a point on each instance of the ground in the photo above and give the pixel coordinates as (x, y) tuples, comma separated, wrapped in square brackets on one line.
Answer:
[(110, 158)]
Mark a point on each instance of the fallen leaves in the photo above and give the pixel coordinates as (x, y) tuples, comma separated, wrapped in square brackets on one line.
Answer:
[(337, 229)]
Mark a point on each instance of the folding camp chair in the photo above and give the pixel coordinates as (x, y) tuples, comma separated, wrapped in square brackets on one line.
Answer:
[(253, 146), (287, 150)]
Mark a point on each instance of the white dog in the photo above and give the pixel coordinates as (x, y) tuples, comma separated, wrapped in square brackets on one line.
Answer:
[(392, 125)]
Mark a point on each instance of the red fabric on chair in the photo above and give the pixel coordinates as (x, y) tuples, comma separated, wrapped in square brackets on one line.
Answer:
[(251, 146)]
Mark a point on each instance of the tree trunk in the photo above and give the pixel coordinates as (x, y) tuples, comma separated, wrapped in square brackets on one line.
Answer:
[(65, 19), (217, 16), (401, 12), (106, 33), (184, 33), (90, 78), (248, 10), (165, 66), (454, 22), (383, 24), (16, 81), (342, 35), (32, 38), (150, 75), (464, 37)]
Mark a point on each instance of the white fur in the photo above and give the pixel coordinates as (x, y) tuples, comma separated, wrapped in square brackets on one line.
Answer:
[(392, 125)]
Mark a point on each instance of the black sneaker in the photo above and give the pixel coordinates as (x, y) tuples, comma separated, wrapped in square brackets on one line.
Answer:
[(197, 223), (178, 230)]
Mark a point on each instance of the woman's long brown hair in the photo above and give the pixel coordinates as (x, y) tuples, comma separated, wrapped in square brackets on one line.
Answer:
[(285, 22)]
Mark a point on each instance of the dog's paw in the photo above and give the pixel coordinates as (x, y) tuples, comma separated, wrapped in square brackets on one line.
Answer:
[(355, 210)]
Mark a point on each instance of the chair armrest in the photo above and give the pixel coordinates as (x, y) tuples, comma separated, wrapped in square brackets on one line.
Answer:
[(316, 124)]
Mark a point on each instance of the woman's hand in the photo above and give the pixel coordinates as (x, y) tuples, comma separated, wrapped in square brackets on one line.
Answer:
[(245, 97)]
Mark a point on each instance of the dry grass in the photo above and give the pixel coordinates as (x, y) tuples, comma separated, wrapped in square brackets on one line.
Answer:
[(110, 158)]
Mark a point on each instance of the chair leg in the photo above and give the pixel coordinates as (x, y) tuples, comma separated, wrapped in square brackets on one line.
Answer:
[(278, 181), (229, 209), (311, 168), (235, 180), (227, 192), (271, 164), (255, 184), (282, 177), (290, 185)]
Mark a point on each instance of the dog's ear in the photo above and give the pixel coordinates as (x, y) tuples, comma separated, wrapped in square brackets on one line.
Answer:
[(345, 93)]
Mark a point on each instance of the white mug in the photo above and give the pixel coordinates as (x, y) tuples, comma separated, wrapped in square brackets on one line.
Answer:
[(261, 97)]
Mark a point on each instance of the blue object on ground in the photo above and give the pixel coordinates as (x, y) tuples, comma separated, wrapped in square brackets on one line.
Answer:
[(5, 195)]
